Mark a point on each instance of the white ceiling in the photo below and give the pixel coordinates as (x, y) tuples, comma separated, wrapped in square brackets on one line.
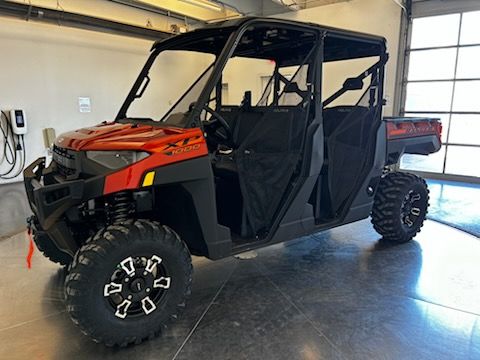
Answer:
[(230, 7)]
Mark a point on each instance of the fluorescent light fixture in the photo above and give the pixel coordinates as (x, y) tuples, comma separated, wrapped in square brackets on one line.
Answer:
[(204, 4)]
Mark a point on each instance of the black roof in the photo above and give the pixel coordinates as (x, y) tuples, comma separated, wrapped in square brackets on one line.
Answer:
[(339, 44), (307, 25)]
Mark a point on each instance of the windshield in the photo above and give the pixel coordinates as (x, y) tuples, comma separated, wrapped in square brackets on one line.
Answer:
[(176, 79)]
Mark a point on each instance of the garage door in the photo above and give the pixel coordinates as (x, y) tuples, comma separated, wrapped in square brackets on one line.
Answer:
[(443, 80)]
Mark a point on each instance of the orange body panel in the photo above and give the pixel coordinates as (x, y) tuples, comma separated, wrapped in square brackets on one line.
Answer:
[(167, 145)]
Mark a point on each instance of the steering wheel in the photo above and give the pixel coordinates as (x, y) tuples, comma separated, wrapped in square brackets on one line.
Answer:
[(215, 123)]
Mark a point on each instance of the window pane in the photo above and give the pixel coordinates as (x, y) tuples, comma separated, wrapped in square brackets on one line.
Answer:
[(240, 78), (159, 98), (465, 129), (335, 73), (444, 118), (432, 64), (468, 62), (435, 31), (466, 96), (428, 163), (459, 160), (470, 28), (430, 96)]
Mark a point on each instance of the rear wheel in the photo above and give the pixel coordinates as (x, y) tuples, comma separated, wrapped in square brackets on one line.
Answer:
[(128, 281), (400, 206)]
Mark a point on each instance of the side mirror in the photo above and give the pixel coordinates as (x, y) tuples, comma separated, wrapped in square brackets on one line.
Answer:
[(353, 84)]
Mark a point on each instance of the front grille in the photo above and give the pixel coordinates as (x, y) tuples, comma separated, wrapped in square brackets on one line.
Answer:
[(64, 171), (65, 160)]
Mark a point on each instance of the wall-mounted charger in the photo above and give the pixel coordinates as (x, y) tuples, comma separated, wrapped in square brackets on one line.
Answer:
[(13, 143), (18, 121)]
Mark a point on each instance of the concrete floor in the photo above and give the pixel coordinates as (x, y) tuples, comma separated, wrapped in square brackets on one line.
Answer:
[(456, 204), (14, 209), (339, 294)]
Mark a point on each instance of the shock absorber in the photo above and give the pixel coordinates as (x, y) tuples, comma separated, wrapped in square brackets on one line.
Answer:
[(120, 207)]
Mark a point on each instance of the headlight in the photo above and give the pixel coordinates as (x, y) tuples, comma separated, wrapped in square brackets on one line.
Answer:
[(116, 159)]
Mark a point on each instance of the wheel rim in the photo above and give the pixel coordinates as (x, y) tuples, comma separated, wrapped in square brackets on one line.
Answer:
[(137, 286), (411, 211)]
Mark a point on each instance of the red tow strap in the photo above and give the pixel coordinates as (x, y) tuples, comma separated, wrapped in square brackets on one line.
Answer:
[(31, 247)]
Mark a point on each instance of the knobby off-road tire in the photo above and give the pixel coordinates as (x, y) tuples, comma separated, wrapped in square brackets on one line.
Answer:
[(400, 206), (46, 246), (128, 263)]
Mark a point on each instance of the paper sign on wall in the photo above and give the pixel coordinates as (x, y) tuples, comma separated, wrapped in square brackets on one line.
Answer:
[(84, 105)]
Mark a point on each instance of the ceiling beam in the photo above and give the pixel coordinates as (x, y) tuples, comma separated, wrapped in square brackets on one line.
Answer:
[(292, 5), (202, 10), (64, 18), (154, 9)]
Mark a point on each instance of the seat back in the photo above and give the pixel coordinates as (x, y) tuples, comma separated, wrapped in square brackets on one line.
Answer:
[(333, 117), (241, 121)]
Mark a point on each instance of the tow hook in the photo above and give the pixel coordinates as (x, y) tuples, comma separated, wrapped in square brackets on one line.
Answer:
[(30, 221), (31, 247)]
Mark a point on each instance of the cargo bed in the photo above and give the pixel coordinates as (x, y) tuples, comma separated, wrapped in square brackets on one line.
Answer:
[(412, 135)]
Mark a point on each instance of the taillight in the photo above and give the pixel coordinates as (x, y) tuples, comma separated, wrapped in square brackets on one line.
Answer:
[(409, 128), (439, 129)]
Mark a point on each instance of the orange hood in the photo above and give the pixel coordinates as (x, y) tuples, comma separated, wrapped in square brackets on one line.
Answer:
[(116, 136)]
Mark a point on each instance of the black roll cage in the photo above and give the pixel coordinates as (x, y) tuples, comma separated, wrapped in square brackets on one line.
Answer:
[(237, 29)]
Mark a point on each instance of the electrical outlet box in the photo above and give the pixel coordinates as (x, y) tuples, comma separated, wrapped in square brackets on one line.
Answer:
[(18, 121)]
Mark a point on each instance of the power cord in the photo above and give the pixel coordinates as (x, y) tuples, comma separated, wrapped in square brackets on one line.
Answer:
[(12, 144), (7, 146)]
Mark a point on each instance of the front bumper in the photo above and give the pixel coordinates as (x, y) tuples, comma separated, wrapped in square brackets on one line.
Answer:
[(50, 197)]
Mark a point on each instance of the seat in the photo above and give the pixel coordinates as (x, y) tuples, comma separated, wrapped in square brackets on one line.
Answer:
[(242, 122), (333, 117)]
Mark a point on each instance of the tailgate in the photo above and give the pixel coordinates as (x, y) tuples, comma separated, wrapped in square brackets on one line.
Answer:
[(412, 135)]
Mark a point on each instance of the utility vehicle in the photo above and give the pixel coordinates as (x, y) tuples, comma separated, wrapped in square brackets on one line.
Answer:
[(224, 169)]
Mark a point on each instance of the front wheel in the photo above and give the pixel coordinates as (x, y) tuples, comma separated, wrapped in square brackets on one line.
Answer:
[(400, 206), (128, 281)]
